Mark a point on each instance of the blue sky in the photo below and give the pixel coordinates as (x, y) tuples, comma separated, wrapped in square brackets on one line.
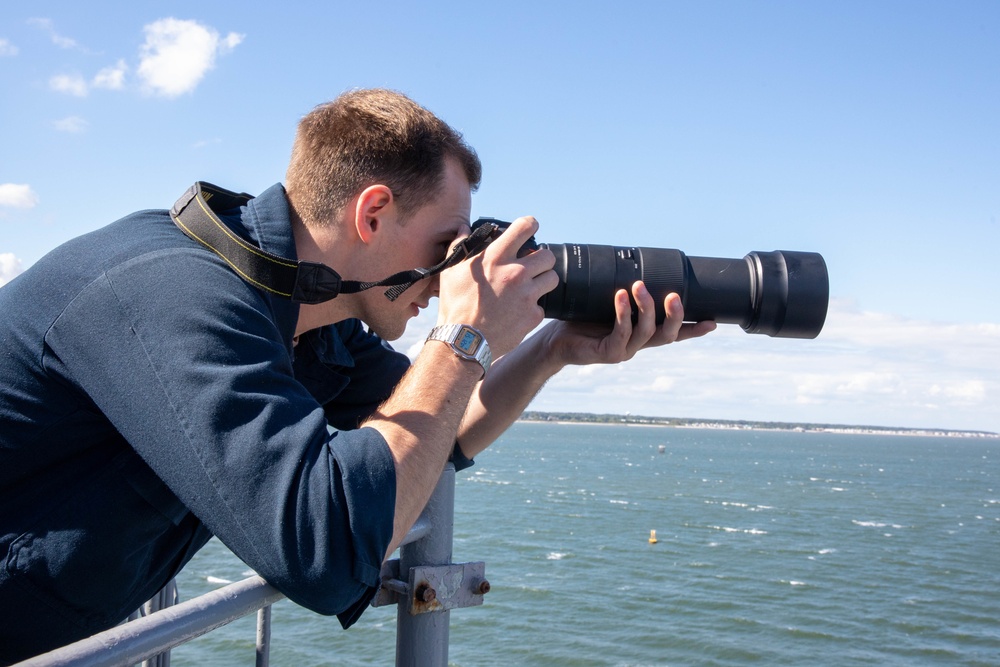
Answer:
[(865, 131)]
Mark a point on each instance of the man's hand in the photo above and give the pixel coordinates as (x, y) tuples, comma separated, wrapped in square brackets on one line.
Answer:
[(578, 343), (496, 291)]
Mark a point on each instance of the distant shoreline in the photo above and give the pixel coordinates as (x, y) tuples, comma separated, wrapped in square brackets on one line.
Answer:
[(738, 425)]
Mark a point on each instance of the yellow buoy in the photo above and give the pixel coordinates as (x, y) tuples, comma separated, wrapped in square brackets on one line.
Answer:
[(652, 537)]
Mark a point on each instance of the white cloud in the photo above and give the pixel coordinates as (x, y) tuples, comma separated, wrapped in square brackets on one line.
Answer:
[(71, 84), (17, 195), (111, 78), (10, 266), (177, 54), (969, 390), (231, 41), (6, 48), (59, 40), (71, 124), (864, 368)]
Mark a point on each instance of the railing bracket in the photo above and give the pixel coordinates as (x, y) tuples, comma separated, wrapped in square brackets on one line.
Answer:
[(433, 587)]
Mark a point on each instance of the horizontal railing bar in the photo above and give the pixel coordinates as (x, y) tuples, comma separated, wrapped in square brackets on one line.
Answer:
[(147, 636), (421, 528), (138, 640)]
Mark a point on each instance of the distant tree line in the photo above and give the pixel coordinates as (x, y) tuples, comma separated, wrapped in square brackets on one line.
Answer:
[(604, 418)]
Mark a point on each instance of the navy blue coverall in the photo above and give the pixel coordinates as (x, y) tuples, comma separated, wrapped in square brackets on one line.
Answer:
[(149, 399)]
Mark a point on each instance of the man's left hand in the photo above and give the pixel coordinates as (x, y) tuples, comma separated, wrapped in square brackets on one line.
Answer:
[(580, 343)]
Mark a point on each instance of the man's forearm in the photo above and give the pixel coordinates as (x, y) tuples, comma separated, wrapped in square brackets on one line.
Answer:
[(419, 423), (500, 399)]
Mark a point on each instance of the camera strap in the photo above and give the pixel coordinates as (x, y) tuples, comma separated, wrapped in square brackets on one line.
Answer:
[(195, 213)]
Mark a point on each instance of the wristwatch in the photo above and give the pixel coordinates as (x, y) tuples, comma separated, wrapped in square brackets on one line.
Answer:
[(465, 341)]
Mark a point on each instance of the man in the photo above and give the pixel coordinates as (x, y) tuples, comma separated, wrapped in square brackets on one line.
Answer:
[(152, 395)]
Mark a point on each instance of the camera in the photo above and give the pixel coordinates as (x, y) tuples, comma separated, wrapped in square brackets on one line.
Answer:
[(783, 293)]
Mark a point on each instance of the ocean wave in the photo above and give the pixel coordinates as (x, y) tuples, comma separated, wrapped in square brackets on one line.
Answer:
[(876, 524), (485, 480), (746, 531)]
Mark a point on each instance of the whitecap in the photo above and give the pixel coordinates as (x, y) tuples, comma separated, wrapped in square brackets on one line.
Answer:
[(555, 555), (746, 531), (217, 580)]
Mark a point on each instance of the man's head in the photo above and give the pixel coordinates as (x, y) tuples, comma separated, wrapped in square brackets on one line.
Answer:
[(366, 137), (381, 185)]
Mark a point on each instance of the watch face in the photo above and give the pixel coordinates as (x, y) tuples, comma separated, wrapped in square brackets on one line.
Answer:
[(468, 341)]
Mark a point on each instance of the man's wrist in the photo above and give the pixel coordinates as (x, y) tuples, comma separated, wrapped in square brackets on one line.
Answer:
[(465, 341), (550, 350)]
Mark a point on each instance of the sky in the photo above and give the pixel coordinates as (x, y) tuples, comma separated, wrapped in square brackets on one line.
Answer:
[(865, 131)]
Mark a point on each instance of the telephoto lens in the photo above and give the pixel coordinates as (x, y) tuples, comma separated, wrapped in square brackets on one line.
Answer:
[(783, 293)]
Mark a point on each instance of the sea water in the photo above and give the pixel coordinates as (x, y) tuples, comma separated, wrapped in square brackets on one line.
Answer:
[(774, 548)]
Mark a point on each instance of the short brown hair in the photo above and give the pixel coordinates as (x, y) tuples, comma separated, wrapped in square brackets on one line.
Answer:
[(365, 137)]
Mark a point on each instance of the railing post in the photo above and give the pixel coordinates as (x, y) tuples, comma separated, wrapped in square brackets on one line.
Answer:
[(263, 637), (422, 639), (166, 597)]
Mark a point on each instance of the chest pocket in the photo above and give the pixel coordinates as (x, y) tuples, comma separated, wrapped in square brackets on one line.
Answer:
[(106, 546)]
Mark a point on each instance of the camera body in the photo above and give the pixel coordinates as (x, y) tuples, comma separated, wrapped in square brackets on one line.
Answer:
[(783, 293)]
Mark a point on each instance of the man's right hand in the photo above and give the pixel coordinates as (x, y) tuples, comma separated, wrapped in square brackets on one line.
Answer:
[(497, 292)]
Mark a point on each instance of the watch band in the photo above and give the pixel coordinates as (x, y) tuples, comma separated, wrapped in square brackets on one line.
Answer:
[(466, 342)]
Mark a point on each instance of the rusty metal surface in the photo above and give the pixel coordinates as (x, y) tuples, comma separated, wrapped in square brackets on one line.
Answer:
[(433, 587), (445, 587)]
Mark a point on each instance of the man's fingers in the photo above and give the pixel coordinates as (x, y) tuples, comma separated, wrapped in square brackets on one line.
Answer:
[(695, 330), (515, 236), (675, 329), (645, 325)]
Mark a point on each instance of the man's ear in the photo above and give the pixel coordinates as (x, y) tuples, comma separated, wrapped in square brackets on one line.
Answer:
[(373, 210)]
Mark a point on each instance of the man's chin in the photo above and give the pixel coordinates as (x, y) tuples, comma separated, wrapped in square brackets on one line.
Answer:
[(388, 332)]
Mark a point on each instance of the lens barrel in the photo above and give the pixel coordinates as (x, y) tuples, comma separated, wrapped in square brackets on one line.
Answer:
[(783, 293)]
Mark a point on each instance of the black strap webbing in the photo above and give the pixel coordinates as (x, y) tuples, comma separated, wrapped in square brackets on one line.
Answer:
[(303, 282)]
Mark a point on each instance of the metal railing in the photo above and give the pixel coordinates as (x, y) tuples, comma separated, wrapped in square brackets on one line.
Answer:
[(423, 583)]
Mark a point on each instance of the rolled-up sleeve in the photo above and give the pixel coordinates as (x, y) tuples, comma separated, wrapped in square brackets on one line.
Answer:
[(200, 383), (352, 356)]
